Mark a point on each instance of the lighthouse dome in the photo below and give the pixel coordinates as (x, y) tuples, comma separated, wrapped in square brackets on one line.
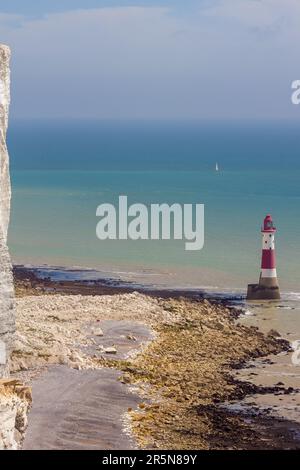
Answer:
[(268, 224)]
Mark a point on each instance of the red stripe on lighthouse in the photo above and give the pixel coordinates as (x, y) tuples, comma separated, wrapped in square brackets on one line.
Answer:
[(268, 260)]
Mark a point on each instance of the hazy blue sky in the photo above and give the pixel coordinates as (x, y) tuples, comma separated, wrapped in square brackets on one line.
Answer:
[(152, 59)]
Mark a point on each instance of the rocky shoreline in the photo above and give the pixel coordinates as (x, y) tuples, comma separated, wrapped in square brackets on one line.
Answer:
[(184, 376)]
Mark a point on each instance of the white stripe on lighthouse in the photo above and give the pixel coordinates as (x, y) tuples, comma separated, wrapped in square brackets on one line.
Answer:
[(268, 272), (268, 242)]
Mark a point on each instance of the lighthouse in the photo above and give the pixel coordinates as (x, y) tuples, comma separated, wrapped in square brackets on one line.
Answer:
[(268, 287)]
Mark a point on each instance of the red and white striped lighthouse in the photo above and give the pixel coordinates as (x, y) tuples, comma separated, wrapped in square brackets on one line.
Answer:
[(268, 287)]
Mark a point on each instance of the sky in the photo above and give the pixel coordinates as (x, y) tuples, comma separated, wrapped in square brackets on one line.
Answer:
[(152, 59)]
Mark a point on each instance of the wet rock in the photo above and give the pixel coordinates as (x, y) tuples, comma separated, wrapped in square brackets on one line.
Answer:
[(97, 332), (110, 350), (107, 350), (131, 338), (274, 334), (75, 357)]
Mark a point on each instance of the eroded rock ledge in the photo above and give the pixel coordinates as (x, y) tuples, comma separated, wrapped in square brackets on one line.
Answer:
[(15, 400)]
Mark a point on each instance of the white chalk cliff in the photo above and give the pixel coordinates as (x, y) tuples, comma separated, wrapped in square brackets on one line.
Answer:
[(5, 191), (7, 320), (14, 397)]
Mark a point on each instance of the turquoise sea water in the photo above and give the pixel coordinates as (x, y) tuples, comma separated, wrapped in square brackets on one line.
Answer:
[(62, 171)]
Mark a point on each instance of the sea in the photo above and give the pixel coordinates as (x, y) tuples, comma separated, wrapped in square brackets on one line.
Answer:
[(61, 172)]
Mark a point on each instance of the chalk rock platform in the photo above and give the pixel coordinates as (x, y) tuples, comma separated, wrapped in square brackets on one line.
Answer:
[(85, 409), (79, 410)]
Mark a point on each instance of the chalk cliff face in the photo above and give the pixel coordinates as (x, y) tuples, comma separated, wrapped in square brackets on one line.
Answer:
[(15, 399), (7, 320), (4, 160)]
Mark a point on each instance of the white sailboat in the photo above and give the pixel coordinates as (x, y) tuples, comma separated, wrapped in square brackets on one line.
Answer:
[(217, 167)]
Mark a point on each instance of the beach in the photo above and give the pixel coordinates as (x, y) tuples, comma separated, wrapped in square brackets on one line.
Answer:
[(119, 367)]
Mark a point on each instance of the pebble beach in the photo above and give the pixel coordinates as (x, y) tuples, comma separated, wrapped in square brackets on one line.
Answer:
[(142, 370)]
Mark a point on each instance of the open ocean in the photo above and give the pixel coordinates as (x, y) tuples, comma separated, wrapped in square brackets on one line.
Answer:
[(62, 171)]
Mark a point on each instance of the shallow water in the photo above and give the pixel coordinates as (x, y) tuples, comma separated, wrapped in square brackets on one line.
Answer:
[(283, 369)]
